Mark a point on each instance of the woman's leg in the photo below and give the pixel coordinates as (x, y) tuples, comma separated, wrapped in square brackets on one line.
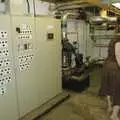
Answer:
[(115, 112), (109, 103)]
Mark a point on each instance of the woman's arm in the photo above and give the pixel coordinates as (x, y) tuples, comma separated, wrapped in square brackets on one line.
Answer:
[(117, 52)]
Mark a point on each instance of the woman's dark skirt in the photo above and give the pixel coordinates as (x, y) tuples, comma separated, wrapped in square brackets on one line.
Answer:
[(110, 85)]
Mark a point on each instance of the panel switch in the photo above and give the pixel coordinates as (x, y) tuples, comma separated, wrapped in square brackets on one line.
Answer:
[(18, 29)]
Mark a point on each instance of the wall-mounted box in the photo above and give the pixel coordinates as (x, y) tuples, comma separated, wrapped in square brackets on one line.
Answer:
[(41, 8)]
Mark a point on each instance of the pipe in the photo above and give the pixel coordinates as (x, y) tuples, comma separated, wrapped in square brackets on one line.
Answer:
[(69, 7), (28, 6), (34, 7), (72, 5), (68, 14), (100, 19)]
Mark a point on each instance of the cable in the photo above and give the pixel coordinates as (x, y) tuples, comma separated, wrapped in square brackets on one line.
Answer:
[(34, 7), (28, 4)]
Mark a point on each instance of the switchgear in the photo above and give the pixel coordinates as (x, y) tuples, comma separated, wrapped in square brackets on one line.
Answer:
[(24, 50), (25, 46), (49, 57), (5, 61), (30, 62), (8, 98)]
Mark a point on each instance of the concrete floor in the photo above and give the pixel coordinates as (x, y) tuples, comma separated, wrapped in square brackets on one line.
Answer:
[(82, 106)]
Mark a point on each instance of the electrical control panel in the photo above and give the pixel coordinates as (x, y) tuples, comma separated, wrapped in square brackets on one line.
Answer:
[(24, 50), (49, 57), (5, 62), (8, 98), (24, 46), (29, 48)]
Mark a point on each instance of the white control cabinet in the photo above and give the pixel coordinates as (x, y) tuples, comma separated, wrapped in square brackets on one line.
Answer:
[(30, 64), (25, 60), (8, 88), (48, 36)]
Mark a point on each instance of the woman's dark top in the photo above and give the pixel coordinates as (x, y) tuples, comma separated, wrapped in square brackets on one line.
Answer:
[(110, 84)]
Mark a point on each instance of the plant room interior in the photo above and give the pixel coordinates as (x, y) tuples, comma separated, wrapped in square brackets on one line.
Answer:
[(52, 54)]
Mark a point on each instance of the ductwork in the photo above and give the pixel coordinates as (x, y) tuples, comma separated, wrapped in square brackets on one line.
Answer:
[(72, 5), (101, 20)]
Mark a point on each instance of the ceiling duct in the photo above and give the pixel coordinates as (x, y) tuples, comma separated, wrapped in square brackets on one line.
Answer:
[(73, 5), (92, 8)]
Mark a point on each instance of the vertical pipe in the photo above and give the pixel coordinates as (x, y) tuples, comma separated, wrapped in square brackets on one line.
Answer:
[(28, 6), (86, 41), (34, 7)]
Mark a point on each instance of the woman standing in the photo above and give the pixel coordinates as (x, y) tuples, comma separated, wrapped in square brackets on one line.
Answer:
[(110, 86)]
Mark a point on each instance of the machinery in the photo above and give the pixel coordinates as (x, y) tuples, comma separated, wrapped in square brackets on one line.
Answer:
[(77, 78), (30, 60), (24, 49), (29, 64)]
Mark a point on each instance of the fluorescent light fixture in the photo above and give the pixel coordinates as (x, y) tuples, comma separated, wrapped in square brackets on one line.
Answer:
[(117, 5)]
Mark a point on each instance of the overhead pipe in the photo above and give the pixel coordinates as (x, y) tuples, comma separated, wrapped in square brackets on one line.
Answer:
[(72, 5), (103, 18), (28, 6)]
